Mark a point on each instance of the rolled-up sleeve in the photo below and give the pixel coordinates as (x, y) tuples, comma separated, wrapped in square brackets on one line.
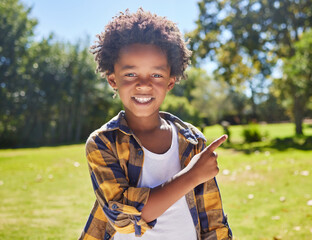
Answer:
[(120, 202)]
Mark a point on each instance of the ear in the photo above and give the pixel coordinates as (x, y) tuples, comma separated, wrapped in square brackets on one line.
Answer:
[(172, 81), (111, 80)]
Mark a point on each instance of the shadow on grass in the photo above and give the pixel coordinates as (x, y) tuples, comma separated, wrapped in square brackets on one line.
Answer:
[(302, 143), (280, 144)]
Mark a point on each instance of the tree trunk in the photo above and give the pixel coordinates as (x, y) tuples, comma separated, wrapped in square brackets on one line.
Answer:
[(70, 122), (252, 100), (298, 112), (298, 122)]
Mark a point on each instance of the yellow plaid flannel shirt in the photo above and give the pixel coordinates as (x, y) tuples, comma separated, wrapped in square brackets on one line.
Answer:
[(115, 159)]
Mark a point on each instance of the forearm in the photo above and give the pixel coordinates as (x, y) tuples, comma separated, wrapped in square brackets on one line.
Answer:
[(162, 197), (202, 167)]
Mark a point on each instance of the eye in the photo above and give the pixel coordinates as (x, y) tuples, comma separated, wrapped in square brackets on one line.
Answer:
[(130, 75), (157, 75)]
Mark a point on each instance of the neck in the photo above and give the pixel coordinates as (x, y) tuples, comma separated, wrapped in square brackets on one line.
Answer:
[(146, 124)]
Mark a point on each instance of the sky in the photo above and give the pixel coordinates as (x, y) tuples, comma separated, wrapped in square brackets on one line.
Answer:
[(71, 20)]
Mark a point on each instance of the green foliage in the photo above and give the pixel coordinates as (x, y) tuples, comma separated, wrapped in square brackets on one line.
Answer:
[(48, 89), (202, 100), (216, 100), (50, 94), (181, 107), (249, 28), (251, 133), (185, 87), (246, 38), (295, 87), (270, 110), (16, 30)]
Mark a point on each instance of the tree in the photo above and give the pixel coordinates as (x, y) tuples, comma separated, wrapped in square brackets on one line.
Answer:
[(58, 80), (182, 108), (61, 90), (201, 100), (16, 28), (248, 35), (215, 99), (271, 109), (295, 86), (252, 27), (49, 90)]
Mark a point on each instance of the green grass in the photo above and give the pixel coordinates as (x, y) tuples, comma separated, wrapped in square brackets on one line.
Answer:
[(46, 193), (272, 131), (269, 176)]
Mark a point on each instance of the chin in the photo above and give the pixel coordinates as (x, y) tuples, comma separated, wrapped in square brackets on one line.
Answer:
[(144, 113)]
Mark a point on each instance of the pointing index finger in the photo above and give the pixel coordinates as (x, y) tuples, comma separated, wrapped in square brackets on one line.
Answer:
[(216, 143)]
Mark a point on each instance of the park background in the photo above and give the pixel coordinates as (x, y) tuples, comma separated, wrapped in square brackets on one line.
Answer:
[(251, 76)]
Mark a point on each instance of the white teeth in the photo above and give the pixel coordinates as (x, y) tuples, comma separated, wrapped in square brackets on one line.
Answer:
[(143, 99)]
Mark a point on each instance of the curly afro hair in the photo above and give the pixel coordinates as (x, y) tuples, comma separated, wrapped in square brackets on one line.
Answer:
[(145, 28)]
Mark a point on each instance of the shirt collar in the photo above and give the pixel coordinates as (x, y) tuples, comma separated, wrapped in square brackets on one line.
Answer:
[(191, 133)]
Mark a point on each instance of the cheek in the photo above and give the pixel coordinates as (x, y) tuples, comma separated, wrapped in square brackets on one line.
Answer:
[(160, 84), (124, 84)]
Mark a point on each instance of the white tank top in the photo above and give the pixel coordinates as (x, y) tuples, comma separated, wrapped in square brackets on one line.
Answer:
[(176, 222)]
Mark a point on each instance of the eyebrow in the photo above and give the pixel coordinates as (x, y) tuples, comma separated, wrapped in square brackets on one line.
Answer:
[(125, 67), (161, 67)]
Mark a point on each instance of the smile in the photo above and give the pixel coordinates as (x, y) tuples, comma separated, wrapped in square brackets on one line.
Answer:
[(143, 99)]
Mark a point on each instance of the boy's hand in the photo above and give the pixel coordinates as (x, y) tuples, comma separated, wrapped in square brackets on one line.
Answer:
[(204, 166)]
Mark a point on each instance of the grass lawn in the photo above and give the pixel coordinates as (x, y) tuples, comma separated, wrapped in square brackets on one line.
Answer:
[(46, 193)]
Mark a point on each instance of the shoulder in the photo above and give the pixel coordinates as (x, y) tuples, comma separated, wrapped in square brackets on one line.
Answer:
[(105, 136), (189, 131)]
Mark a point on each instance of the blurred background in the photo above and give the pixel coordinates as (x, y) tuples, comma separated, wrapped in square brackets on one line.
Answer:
[(251, 63), (250, 77)]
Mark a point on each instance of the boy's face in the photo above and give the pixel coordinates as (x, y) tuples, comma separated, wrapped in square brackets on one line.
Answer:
[(142, 77)]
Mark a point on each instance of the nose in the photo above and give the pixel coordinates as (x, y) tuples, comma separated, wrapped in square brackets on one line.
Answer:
[(144, 83)]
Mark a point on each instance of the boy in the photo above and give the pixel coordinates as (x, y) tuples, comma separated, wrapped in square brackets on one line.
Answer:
[(152, 174)]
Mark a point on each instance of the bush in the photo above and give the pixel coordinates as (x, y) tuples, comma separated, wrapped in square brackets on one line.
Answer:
[(251, 133)]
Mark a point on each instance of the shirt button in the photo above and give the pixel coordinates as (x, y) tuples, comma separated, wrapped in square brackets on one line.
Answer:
[(140, 152), (114, 206)]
